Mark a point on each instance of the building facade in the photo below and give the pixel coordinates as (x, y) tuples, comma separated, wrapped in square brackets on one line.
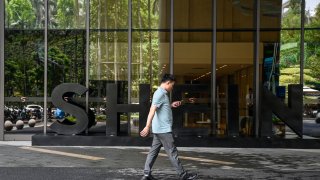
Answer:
[(219, 50)]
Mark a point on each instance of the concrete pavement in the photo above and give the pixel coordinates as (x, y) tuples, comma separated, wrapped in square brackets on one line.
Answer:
[(19, 160)]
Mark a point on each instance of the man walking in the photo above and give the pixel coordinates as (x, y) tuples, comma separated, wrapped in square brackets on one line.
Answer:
[(160, 117), (249, 101)]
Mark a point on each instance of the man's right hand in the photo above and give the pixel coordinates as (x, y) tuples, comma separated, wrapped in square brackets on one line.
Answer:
[(145, 132)]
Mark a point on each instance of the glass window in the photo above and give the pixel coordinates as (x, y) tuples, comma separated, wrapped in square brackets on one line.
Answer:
[(150, 43), (66, 51), (270, 13), (311, 89), (109, 14), (24, 14), (234, 73), (151, 14), (235, 14), (67, 14), (312, 13), (291, 14), (23, 66), (23, 84), (192, 64), (108, 58), (279, 59), (289, 57), (192, 14), (192, 69), (235, 70)]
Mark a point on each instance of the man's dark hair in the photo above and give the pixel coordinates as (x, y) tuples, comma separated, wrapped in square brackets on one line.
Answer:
[(168, 77)]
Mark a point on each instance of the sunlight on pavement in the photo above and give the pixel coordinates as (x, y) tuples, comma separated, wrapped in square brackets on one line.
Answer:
[(15, 143), (199, 159), (93, 158)]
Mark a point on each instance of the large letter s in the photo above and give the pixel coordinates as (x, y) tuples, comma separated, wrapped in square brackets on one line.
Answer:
[(70, 107)]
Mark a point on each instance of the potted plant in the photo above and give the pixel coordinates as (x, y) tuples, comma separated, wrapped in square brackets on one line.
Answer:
[(279, 127)]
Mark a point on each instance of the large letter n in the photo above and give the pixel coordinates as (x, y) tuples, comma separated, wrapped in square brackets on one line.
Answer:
[(291, 115)]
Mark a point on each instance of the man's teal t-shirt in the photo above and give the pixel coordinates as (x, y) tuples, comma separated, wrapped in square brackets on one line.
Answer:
[(162, 120)]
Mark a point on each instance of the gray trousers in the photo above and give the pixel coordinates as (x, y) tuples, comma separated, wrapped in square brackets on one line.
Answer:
[(165, 140)]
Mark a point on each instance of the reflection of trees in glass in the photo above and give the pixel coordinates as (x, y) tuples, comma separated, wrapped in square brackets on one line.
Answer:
[(20, 14), (40, 12), (108, 40), (68, 14), (24, 61), (28, 14), (23, 70), (291, 18), (312, 53), (111, 14), (145, 57), (66, 57), (25, 50), (289, 61), (108, 51)]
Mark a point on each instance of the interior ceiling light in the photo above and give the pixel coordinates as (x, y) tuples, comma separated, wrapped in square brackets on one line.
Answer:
[(206, 74), (223, 66)]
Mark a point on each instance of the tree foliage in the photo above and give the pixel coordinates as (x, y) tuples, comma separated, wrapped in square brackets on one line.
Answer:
[(70, 14), (290, 39), (20, 14)]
